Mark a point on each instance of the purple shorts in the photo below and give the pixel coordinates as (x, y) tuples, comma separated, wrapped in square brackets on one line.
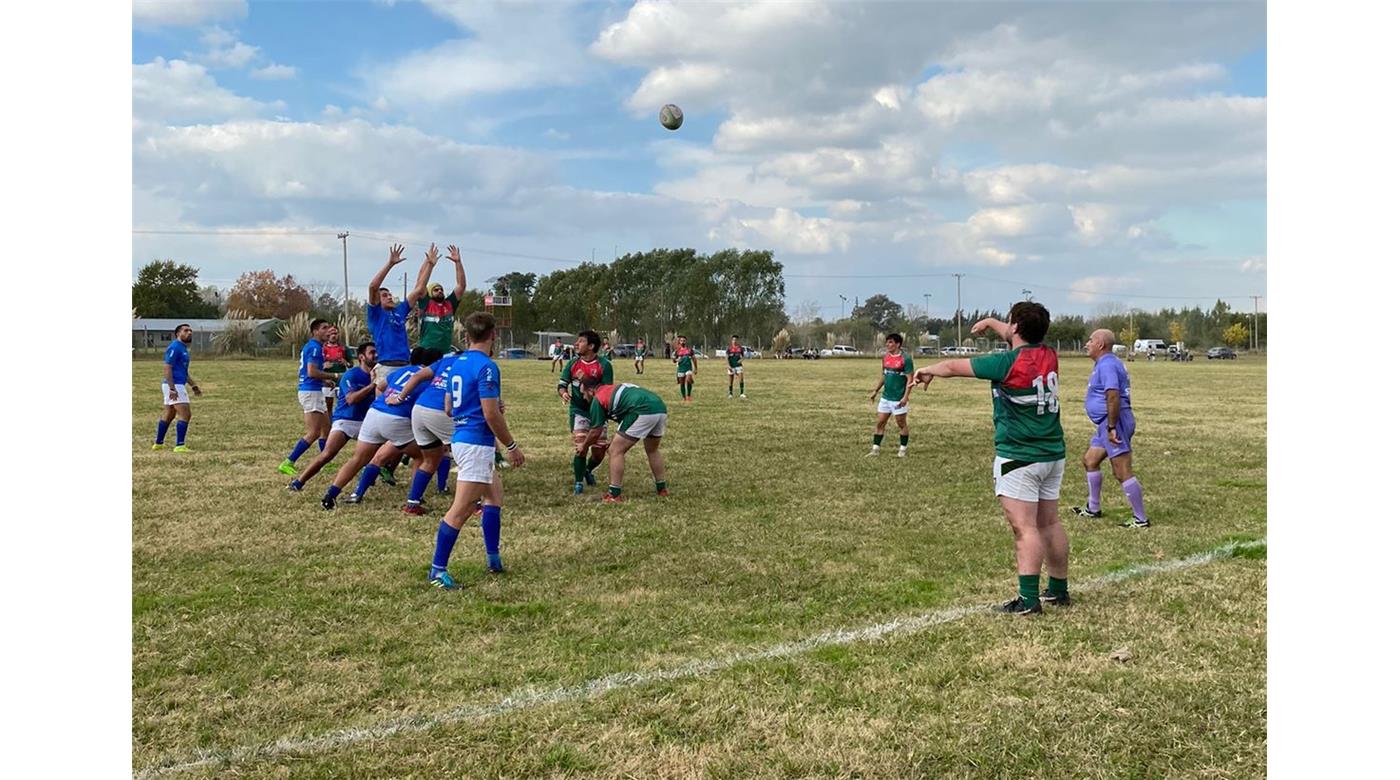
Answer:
[(1126, 424)]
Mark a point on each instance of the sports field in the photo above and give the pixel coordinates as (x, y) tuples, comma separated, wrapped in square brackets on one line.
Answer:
[(698, 635)]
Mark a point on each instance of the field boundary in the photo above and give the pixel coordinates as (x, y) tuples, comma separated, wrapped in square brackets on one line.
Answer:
[(531, 697)]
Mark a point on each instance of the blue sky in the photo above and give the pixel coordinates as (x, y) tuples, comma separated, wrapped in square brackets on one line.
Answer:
[(1112, 153)]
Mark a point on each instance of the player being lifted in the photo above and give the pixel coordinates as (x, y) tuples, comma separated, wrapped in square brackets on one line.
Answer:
[(354, 394), (640, 415), (587, 364), (474, 401), (735, 355), (1030, 448), (684, 358), (893, 390)]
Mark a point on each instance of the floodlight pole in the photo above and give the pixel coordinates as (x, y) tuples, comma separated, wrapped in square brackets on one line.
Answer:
[(960, 276), (345, 266), (843, 305)]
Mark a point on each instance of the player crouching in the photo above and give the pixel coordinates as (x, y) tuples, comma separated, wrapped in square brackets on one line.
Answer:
[(640, 416)]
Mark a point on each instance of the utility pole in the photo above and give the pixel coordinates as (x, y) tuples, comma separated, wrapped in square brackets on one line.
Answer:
[(1254, 338), (345, 266), (927, 310), (405, 285), (843, 305), (960, 276)]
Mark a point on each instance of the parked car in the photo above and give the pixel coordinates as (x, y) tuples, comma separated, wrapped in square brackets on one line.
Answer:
[(1220, 353), (926, 351), (840, 350), (948, 351), (810, 354), (751, 354), (517, 353)]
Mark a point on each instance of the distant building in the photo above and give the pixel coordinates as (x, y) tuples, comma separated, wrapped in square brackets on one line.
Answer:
[(158, 333)]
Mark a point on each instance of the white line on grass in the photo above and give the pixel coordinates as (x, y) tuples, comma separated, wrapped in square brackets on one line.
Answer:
[(527, 698)]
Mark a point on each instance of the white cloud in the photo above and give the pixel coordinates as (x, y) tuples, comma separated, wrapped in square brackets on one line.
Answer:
[(1256, 264), (785, 230), (185, 13), (274, 72), (179, 91), (1093, 288)]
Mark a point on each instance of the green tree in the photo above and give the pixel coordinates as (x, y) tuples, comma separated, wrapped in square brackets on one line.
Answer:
[(164, 288), (881, 312), (1236, 335)]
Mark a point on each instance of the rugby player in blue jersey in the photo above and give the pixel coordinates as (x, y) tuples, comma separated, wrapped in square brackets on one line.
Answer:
[(172, 389), (473, 399), (385, 434), (311, 378), (432, 429), (353, 397)]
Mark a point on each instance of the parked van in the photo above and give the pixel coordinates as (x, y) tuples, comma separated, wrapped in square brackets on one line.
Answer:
[(1150, 345)]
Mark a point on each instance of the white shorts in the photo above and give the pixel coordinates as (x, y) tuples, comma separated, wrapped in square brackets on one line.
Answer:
[(380, 427), (582, 426), (892, 407), (328, 392), (351, 428), (182, 394), (645, 426), (1028, 481), (735, 370), (475, 462), (684, 374), (312, 401), (431, 427)]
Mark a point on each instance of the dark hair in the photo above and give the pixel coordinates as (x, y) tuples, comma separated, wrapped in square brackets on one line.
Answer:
[(363, 348), (387, 290), (898, 339), (318, 322), (1031, 319), (423, 356), (182, 325), (591, 383), (594, 340), (479, 325), (735, 337)]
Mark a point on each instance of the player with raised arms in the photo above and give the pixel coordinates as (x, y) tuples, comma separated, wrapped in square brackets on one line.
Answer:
[(586, 364), (473, 399), (893, 390), (354, 394), (735, 355), (640, 415), (312, 376), (684, 358), (173, 395), (1030, 448)]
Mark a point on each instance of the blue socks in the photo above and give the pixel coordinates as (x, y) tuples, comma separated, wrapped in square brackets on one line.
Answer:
[(332, 491), (300, 447), (419, 486), (491, 530), (446, 538), (180, 427), (367, 478), (161, 427), (322, 444), (443, 468)]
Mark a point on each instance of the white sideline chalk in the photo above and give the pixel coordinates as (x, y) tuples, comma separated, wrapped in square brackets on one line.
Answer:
[(527, 698)]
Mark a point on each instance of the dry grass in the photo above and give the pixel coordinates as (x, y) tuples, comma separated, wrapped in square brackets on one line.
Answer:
[(258, 616)]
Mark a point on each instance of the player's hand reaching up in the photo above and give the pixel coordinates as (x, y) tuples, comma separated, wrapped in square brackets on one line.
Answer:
[(396, 254), (432, 254), (454, 254)]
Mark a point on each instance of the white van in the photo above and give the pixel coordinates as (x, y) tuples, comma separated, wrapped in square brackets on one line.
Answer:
[(840, 350), (1150, 345)]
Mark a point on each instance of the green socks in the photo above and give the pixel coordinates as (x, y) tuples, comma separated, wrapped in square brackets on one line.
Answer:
[(741, 387), (578, 468), (879, 437), (903, 440), (614, 490), (660, 486), (1030, 588), (1058, 587)]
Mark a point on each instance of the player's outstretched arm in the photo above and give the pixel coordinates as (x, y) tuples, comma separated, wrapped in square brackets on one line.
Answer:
[(395, 257), (424, 374), (455, 255), (1002, 329), (944, 369), (425, 272)]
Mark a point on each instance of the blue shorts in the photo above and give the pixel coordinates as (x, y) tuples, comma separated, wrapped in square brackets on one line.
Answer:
[(1126, 425)]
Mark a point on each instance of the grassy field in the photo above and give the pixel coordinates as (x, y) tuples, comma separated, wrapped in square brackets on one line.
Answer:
[(266, 631)]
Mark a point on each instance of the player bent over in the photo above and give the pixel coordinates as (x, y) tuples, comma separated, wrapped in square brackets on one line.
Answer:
[(386, 433), (173, 394), (735, 356), (1030, 448), (354, 395), (640, 415), (473, 400), (432, 429), (587, 364), (894, 390)]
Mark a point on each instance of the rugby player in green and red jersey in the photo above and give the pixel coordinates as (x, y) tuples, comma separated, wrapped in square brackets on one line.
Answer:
[(1030, 448), (640, 415), (684, 358), (586, 364), (894, 390), (735, 355)]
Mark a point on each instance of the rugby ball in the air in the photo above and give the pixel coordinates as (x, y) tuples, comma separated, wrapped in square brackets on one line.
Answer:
[(671, 116)]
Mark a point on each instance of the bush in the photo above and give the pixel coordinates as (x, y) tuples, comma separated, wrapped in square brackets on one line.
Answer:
[(239, 337), (293, 333)]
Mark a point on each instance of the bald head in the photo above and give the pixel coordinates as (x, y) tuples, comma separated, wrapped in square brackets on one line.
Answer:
[(1100, 342)]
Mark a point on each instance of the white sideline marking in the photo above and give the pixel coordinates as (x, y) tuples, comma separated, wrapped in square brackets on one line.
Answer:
[(527, 698)]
